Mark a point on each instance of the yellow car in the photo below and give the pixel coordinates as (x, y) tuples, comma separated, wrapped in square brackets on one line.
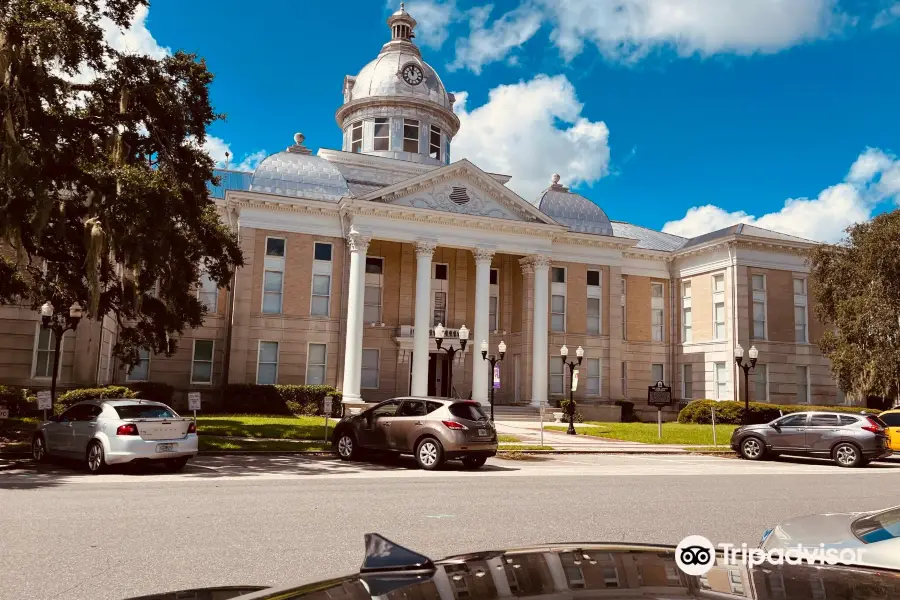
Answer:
[(891, 418)]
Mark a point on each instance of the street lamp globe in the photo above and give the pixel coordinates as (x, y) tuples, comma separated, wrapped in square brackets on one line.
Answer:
[(463, 333), (75, 311), (753, 353), (739, 351), (47, 309), (502, 347), (564, 351), (484, 346), (439, 332), (579, 352)]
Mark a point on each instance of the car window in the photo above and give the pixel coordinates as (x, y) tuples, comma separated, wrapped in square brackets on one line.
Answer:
[(81, 412), (877, 419), (430, 406), (411, 408), (824, 421), (878, 527), (388, 409), (144, 411), (792, 421), (468, 410), (70, 414), (848, 420), (891, 419)]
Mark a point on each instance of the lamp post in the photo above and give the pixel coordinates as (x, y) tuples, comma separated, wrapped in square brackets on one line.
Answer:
[(451, 351), (493, 360), (59, 328), (746, 367), (579, 354)]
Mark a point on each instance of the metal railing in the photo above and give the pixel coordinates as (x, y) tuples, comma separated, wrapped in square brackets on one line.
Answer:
[(409, 331), (229, 180)]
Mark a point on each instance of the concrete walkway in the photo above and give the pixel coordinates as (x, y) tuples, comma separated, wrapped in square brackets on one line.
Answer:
[(530, 434)]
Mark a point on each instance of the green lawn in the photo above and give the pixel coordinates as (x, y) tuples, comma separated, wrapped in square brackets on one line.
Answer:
[(216, 443), (688, 434), (508, 439), (265, 426)]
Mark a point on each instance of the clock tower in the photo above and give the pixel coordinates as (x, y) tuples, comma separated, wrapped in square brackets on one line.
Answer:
[(397, 106)]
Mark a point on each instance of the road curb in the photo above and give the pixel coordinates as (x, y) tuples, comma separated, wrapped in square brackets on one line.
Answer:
[(19, 455)]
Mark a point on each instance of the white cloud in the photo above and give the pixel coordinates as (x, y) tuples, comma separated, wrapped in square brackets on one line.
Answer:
[(136, 39), (873, 178), (886, 16), (628, 30), (490, 43), (217, 149), (531, 130), (251, 161), (433, 18)]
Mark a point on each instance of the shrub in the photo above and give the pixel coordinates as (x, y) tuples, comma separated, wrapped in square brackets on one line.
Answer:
[(564, 405), (151, 390), (307, 400), (72, 396), (731, 412), (17, 401)]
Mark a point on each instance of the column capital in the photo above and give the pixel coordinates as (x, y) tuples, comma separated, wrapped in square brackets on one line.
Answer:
[(534, 262), (425, 248), (358, 242), (483, 254)]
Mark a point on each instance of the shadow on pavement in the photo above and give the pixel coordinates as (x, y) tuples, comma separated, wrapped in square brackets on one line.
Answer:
[(884, 463), (26, 474)]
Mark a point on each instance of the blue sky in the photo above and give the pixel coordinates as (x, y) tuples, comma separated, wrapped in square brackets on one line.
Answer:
[(683, 114)]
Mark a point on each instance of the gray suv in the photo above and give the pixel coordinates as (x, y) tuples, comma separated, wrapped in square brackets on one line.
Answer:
[(850, 440)]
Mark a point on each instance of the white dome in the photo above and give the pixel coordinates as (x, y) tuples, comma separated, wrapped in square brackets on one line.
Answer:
[(381, 78), (301, 175)]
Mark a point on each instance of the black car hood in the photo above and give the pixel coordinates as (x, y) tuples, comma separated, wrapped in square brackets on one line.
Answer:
[(566, 571)]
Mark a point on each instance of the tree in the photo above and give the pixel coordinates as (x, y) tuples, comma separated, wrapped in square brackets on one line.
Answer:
[(856, 285), (103, 181)]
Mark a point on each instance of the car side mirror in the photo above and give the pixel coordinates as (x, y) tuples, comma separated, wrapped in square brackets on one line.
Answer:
[(775, 426)]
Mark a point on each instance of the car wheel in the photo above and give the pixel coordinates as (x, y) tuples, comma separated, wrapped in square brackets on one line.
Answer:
[(94, 458), (474, 462), (176, 464), (346, 446), (753, 448), (846, 455), (39, 449), (429, 454)]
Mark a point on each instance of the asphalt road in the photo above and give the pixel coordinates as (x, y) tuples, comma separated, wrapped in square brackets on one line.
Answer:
[(282, 520)]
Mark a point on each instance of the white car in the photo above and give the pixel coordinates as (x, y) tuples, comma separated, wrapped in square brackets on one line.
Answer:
[(110, 432)]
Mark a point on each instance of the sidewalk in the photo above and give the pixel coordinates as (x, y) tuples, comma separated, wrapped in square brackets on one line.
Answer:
[(530, 433)]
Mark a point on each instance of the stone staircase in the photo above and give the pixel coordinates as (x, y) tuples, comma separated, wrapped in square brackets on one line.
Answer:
[(517, 413)]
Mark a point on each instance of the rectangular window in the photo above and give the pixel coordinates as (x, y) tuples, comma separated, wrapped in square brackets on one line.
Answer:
[(624, 379), (657, 373), (657, 315), (411, 136), (760, 383), (656, 311), (440, 272), (592, 383), (687, 323), (275, 247), (721, 380), (356, 137), (557, 385), (558, 275), (140, 371), (758, 285), (320, 303), (382, 134), (434, 145), (273, 285), (208, 293), (801, 332), (440, 293), (440, 308), (624, 313), (372, 307), (719, 307), (315, 364), (494, 301), (43, 353), (267, 363), (687, 382), (802, 385), (370, 362), (202, 364), (557, 313), (594, 302)]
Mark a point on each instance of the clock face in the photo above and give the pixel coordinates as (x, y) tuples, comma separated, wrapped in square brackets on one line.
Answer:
[(412, 73)]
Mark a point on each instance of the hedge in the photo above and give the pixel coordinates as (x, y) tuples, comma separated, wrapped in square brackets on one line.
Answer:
[(16, 399), (71, 397), (308, 400), (731, 412), (151, 390)]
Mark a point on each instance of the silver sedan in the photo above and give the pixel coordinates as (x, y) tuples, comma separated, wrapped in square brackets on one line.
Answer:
[(109, 432)]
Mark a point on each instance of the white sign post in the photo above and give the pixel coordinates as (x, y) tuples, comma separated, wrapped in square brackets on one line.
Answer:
[(713, 410), (326, 408), (543, 409), (194, 404), (45, 402)]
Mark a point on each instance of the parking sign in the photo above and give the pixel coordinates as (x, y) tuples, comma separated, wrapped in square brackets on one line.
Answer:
[(44, 401), (194, 400)]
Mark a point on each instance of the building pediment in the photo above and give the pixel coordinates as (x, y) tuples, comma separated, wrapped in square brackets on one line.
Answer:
[(460, 188)]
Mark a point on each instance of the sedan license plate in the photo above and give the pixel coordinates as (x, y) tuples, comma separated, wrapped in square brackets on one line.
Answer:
[(167, 447), (482, 433)]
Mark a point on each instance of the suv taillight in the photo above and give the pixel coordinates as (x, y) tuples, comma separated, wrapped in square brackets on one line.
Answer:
[(454, 425), (192, 427), (873, 426), (127, 429)]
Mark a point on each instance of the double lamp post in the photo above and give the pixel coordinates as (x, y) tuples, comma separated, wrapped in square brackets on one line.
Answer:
[(752, 354), (58, 328), (579, 355)]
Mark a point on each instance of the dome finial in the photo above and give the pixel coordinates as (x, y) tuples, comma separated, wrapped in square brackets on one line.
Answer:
[(554, 179), (402, 25), (298, 146)]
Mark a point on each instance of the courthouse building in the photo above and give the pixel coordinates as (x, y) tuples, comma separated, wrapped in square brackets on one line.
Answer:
[(353, 256)]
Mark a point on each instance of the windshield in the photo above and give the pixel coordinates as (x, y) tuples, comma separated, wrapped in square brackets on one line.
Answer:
[(878, 527), (144, 411)]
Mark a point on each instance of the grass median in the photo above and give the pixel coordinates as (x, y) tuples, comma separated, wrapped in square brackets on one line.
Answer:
[(219, 444), (265, 426), (685, 434)]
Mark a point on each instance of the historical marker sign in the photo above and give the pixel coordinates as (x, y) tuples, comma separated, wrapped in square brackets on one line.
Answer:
[(659, 395)]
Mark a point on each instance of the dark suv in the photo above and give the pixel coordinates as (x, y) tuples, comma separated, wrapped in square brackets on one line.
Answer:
[(850, 440)]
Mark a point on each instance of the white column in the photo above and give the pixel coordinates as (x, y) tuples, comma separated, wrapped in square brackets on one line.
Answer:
[(359, 245), (481, 376), (557, 572), (539, 365), (421, 325), (498, 574)]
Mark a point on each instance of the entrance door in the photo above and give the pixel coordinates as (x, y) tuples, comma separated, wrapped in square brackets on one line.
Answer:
[(438, 375)]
